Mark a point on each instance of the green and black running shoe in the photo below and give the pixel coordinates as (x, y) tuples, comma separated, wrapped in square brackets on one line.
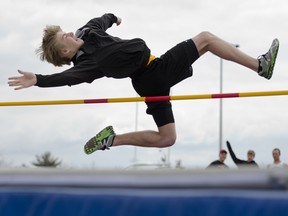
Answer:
[(103, 140), (267, 61)]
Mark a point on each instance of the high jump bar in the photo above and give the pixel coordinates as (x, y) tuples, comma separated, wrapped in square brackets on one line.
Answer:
[(146, 99)]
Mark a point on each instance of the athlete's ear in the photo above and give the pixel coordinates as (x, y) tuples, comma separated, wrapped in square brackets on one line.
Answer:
[(64, 52)]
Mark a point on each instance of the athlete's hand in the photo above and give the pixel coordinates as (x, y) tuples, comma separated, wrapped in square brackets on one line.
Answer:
[(119, 20), (26, 80)]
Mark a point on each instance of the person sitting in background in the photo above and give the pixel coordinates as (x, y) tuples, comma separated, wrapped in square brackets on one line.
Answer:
[(277, 163), (243, 163), (219, 163)]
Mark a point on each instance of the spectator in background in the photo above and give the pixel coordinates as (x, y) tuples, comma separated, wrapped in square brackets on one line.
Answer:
[(243, 163), (219, 163), (277, 163)]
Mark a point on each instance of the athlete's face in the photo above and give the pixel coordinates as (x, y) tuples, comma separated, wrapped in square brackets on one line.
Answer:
[(68, 42)]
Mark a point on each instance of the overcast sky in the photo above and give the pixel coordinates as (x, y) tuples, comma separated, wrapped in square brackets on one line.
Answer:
[(248, 123)]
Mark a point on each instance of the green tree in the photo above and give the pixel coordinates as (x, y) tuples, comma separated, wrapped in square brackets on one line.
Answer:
[(3, 162), (46, 160)]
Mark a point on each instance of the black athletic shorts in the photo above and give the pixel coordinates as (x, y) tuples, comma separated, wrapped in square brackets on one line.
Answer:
[(163, 73)]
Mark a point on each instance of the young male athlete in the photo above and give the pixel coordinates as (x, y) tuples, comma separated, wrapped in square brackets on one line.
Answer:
[(96, 54)]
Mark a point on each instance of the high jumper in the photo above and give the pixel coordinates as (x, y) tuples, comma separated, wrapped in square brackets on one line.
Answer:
[(96, 54)]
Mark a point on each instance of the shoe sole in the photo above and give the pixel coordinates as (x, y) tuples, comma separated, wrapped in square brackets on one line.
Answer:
[(273, 60), (90, 150)]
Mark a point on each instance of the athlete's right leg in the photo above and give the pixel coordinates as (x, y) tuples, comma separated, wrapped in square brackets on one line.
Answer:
[(164, 137)]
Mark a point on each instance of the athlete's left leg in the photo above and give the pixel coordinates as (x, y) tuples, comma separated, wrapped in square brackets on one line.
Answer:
[(263, 65), (205, 41)]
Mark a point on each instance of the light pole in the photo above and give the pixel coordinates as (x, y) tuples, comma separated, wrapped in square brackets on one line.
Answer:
[(220, 106), (136, 129), (221, 102)]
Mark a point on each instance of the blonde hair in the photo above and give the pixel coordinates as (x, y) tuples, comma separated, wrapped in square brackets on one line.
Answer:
[(49, 50)]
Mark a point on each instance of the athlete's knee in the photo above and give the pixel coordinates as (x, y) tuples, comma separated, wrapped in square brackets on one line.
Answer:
[(206, 36), (202, 41), (167, 135), (207, 39), (167, 141)]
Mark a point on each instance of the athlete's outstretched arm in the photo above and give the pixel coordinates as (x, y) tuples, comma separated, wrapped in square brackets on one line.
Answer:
[(119, 20), (27, 80)]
